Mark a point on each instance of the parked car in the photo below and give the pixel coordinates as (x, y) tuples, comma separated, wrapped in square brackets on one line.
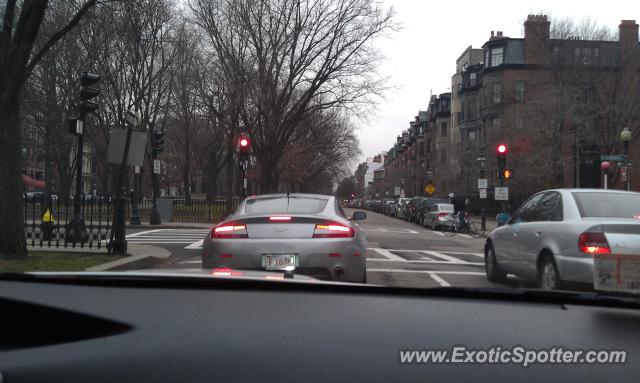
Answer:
[(553, 236), (387, 206), (412, 208), (424, 206), (437, 215), (392, 207), (401, 208)]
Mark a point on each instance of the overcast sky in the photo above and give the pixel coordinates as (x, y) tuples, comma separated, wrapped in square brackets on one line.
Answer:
[(421, 57)]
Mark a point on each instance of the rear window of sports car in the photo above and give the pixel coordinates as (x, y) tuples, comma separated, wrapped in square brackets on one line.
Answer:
[(603, 204), (294, 205)]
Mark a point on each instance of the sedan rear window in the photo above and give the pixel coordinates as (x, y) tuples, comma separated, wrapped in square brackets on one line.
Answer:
[(447, 208), (294, 205), (603, 204)]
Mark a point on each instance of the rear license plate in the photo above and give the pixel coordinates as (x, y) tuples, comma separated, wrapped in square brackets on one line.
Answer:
[(279, 261), (616, 272)]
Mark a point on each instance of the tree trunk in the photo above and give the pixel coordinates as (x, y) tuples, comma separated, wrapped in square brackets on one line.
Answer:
[(186, 181), (12, 241), (229, 181)]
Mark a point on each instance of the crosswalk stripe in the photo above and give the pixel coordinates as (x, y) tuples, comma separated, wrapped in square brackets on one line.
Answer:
[(443, 256), (389, 255), (196, 245), (432, 262)]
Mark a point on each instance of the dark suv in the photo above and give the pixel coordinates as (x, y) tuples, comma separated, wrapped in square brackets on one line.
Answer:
[(412, 208)]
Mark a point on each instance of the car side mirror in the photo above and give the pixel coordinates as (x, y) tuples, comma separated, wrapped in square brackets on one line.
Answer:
[(359, 216)]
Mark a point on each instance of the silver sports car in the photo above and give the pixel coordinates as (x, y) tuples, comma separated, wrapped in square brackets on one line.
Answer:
[(307, 232), (554, 236)]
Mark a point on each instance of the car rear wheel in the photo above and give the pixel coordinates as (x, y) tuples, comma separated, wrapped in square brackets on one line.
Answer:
[(493, 271), (548, 276)]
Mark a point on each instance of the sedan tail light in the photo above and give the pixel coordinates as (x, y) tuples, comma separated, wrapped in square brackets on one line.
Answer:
[(443, 214), (332, 230), (230, 231), (593, 243)]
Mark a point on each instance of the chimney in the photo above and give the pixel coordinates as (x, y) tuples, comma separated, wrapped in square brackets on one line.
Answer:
[(536, 36), (628, 34)]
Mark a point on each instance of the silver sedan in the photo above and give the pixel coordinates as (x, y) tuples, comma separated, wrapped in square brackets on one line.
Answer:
[(309, 233), (553, 237)]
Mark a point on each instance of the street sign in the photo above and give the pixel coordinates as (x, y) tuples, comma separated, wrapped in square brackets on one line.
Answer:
[(137, 146), (402, 193), (502, 193), (482, 183), (430, 189), (611, 157), (396, 191), (623, 174), (483, 193), (623, 164), (156, 166), (137, 169)]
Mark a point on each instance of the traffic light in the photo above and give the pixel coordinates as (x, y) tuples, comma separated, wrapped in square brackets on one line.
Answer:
[(501, 153), (158, 140), (87, 92), (244, 144), (507, 174)]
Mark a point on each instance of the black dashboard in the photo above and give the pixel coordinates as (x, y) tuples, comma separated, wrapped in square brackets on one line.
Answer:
[(137, 328)]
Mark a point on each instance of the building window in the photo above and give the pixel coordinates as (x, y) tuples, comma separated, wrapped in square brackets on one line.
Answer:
[(462, 111), (577, 51), (497, 93), (472, 78), (497, 55), (471, 135), (443, 129), (519, 122), (443, 156), (595, 51), (486, 58), (519, 90), (496, 122), (24, 154)]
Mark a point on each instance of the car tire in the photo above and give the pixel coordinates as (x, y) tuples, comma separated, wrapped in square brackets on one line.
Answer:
[(548, 275), (494, 273)]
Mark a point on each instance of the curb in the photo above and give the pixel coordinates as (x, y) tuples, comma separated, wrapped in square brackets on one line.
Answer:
[(140, 257)]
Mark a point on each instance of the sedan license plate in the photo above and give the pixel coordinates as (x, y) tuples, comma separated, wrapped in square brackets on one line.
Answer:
[(278, 261), (617, 272)]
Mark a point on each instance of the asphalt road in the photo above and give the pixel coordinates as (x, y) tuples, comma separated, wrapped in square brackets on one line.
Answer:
[(399, 253)]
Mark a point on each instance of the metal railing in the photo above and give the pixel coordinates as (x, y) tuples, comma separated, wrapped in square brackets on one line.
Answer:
[(201, 210), (50, 230)]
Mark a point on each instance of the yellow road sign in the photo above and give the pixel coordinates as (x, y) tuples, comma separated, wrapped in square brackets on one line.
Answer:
[(430, 189)]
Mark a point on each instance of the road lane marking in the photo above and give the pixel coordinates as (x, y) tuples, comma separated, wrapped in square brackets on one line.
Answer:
[(389, 255), (142, 233), (429, 262), (382, 229), (412, 231), (424, 272), (443, 256), (196, 245), (463, 253), (440, 281), (189, 262)]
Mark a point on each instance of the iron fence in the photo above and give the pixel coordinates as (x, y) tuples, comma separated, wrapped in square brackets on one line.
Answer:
[(201, 210), (47, 227)]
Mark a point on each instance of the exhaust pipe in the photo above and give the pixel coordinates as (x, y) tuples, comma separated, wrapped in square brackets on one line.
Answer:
[(339, 271)]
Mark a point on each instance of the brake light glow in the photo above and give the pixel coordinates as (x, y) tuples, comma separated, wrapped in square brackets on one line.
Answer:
[(335, 255), (593, 243), (280, 219), (226, 272), (226, 255), (230, 231), (333, 230), (443, 214)]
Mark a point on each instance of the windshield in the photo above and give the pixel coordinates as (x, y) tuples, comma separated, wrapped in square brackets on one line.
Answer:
[(400, 143), (614, 205), (294, 205)]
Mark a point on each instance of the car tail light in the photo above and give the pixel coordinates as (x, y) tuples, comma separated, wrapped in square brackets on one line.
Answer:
[(332, 230), (335, 255), (225, 271), (443, 214), (226, 255), (593, 243), (280, 218), (230, 231)]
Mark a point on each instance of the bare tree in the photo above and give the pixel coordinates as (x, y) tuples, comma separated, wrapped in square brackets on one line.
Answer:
[(18, 57)]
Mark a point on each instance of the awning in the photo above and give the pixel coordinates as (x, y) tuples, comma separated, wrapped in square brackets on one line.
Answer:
[(31, 182)]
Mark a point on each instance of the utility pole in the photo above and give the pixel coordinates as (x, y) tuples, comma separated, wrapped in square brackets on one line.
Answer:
[(158, 141)]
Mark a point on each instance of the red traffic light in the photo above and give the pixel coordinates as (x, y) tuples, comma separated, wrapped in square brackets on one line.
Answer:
[(502, 149), (244, 142)]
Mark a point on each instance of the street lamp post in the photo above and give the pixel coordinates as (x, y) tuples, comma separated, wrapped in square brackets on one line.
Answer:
[(482, 162), (625, 137)]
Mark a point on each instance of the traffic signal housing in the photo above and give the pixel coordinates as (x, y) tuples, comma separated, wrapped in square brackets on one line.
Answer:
[(158, 141), (244, 144), (507, 174), (501, 153), (87, 92)]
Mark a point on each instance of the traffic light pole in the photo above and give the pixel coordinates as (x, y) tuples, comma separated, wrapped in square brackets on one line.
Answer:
[(117, 242), (76, 230)]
